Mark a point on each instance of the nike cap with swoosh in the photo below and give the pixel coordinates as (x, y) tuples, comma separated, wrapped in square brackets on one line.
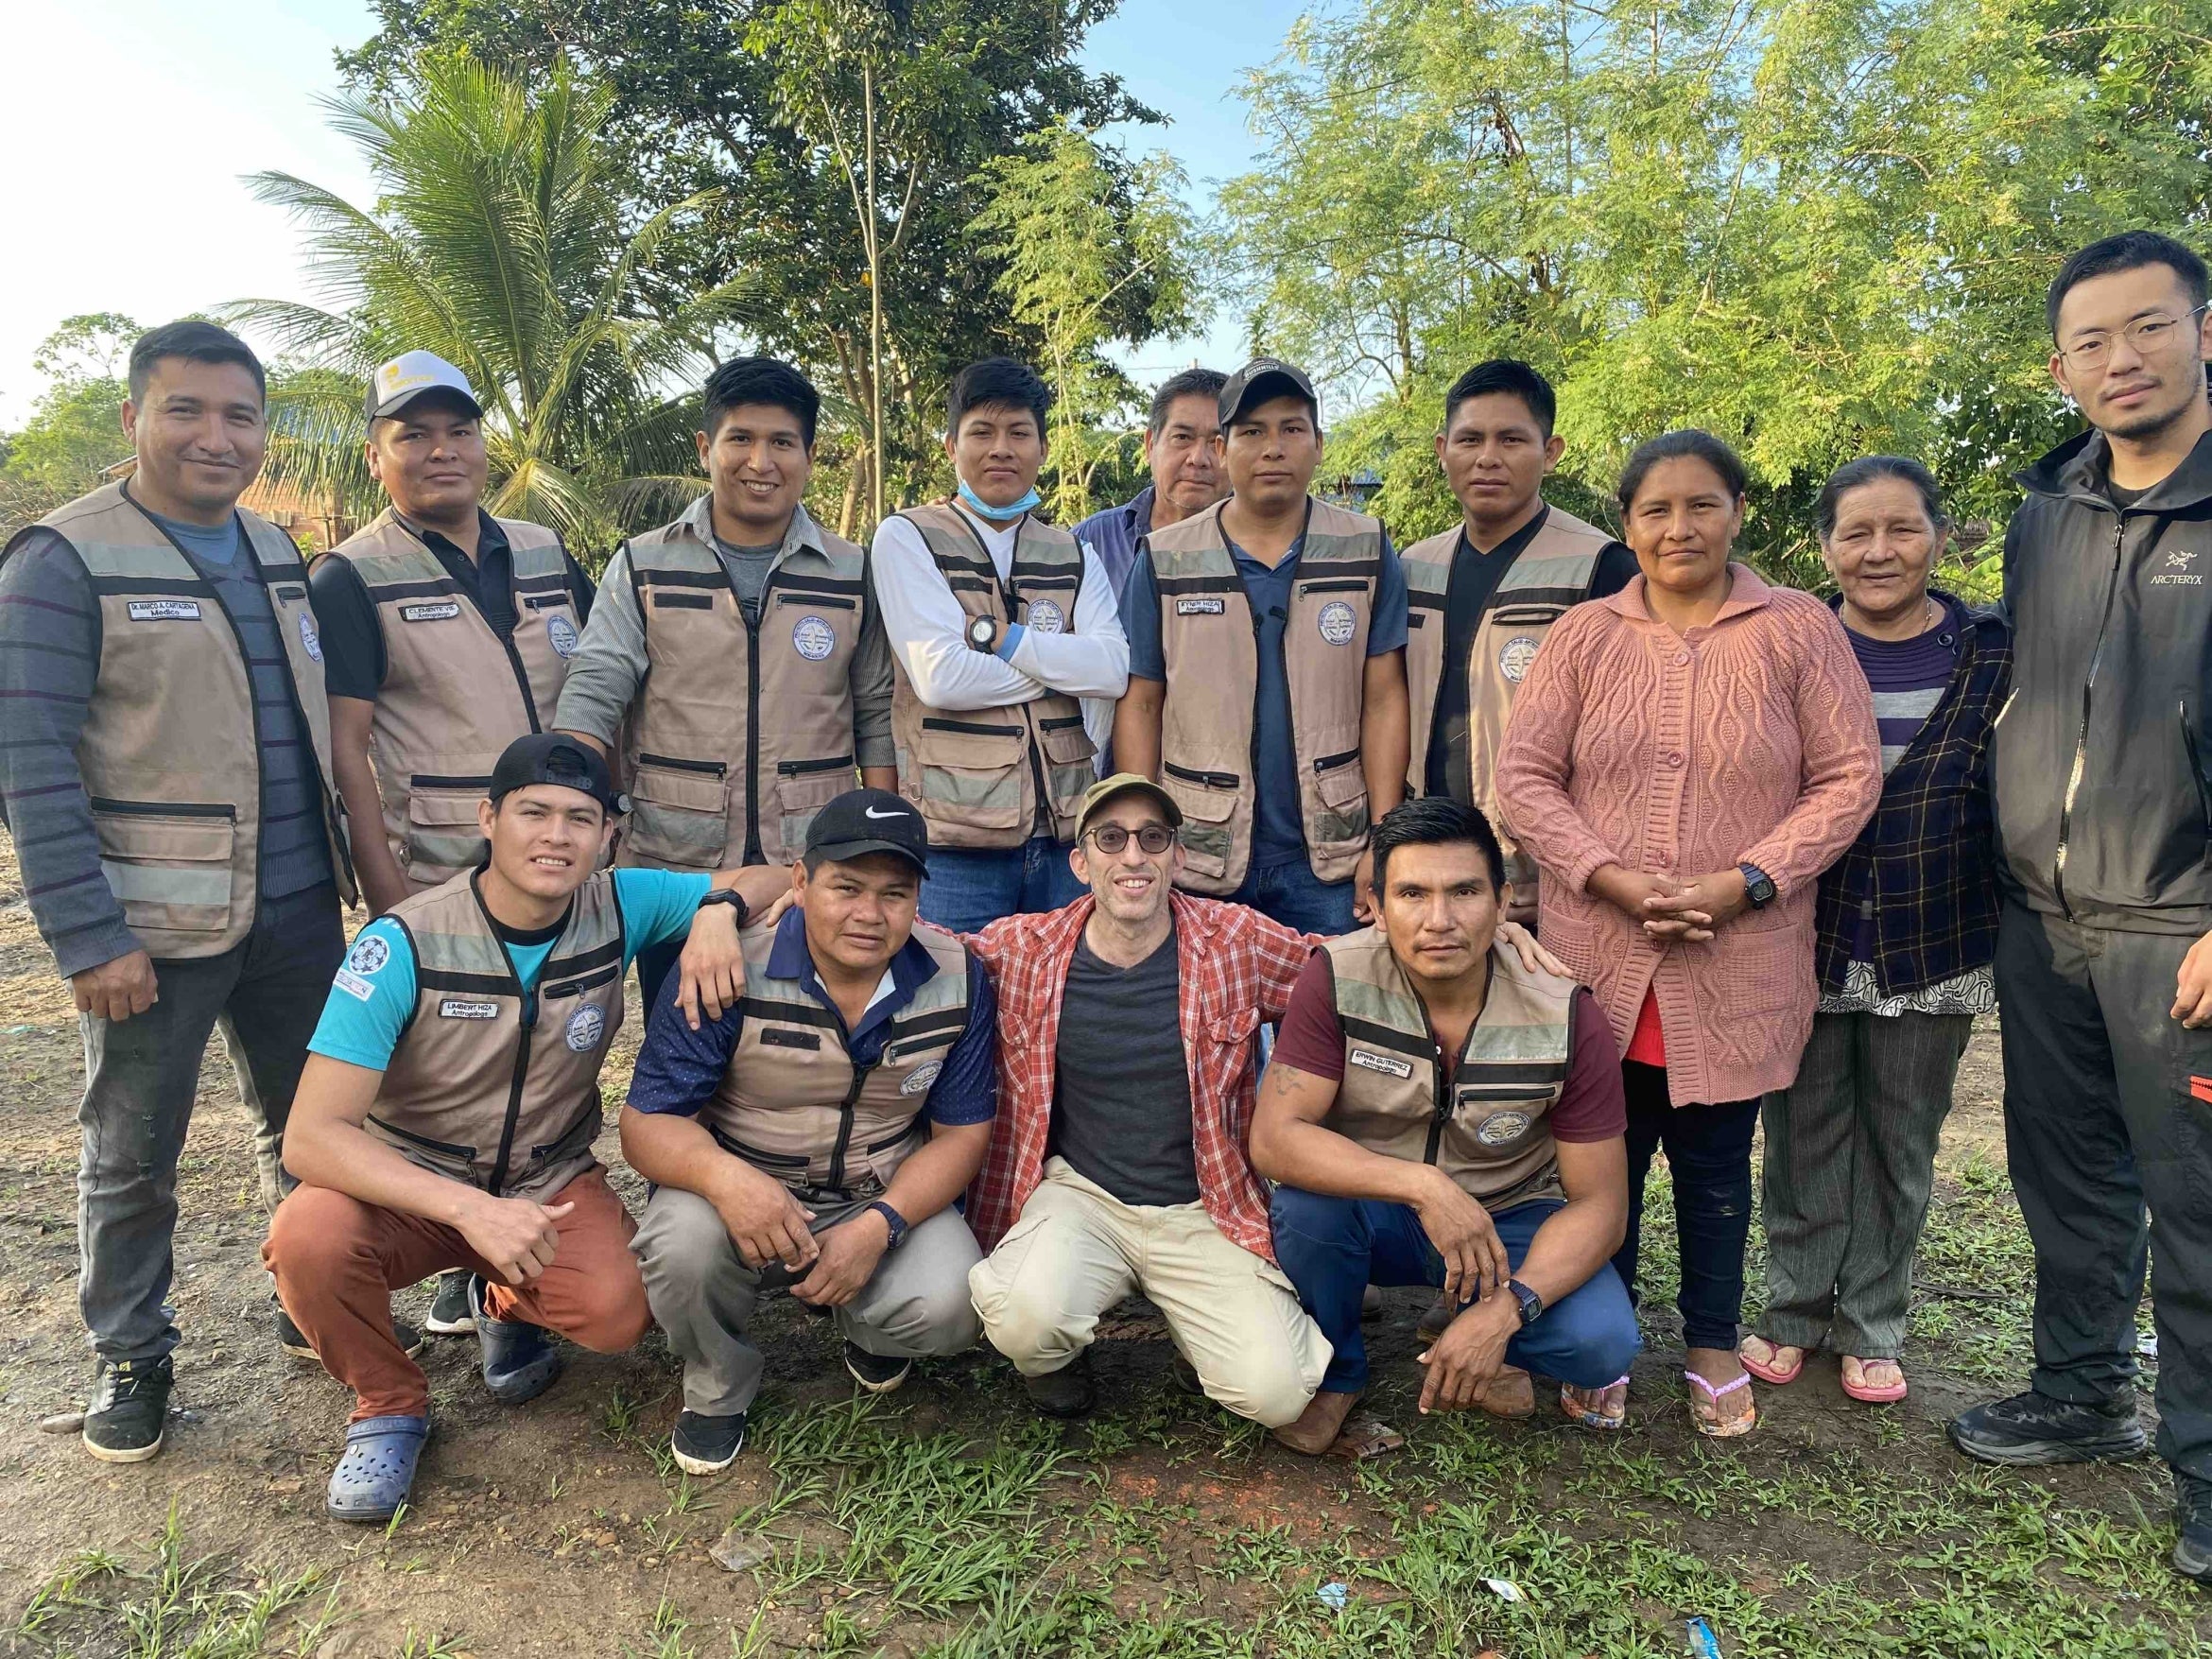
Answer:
[(861, 821)]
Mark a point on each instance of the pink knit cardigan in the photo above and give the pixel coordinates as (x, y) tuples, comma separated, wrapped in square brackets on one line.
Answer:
[(1749, 740)]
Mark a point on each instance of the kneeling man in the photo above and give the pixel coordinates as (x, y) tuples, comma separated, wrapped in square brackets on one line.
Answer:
[(446, 1114), (1129, 1020), (816, 1135), (1439, 1114)]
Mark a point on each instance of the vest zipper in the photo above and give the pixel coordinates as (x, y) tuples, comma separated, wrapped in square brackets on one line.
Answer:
[(752, 853), (515, 1088), (1045, 817), (845, 1113), (2058, 866), (1443, 1113)]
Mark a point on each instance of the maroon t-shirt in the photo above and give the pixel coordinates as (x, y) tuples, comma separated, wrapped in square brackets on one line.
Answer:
[(1591, 1109)]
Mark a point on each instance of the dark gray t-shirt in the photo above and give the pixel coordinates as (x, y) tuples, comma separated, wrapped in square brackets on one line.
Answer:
[(1121, 1103), (748, 573)]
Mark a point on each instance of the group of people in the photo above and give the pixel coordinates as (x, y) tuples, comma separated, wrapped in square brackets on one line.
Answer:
[(967, 874)]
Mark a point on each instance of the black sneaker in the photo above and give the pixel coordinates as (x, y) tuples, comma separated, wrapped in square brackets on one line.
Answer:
[(129, 1409), (450, 1313), (706, 1446), (1066, 1392), (2192, 1516), (293, 1340), (2035, 1428), (879, 1374)]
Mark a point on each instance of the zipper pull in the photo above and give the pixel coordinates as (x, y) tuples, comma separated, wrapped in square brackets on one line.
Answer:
[(529, 1009)]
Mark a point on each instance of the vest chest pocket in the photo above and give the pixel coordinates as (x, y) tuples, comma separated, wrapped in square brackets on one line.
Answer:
[(168, 865), (1341, 786), (803, 787), (1209, 803), (441, 823), (974, 767), (678, 812)]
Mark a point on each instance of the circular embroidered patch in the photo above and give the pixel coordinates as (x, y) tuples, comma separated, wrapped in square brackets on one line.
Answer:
[(367, 955), (1337, 622), (1515, 655), (585, 1028), (1502, 1127), (1047, 617), (561, 633), (813, 638), (310, 641), (922, 1076)]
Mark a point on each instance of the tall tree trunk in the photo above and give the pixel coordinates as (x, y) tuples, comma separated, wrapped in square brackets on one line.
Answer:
[(874, 296)]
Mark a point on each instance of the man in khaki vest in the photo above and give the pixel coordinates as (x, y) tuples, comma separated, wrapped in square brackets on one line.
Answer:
[(1439, 1114), (445, 634), (1484, 593), (1267, 669), (450, 1099), (1000, 625), (816, 1135), (737, 654), (166, 766)]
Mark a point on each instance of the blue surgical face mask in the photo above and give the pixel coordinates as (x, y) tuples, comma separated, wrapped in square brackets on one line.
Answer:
[(982, 508)]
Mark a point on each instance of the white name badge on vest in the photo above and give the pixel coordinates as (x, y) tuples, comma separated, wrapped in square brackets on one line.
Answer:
[(561, 636), (1389, 1065), (445, 611), (310, 641), (462, 1008), (813, 638), (1199, 608), (164, 610), (585, 1028), (1337, 622), (1514, 656), (1047, 617)]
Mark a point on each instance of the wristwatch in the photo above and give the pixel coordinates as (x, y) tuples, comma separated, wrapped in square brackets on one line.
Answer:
[(1758, 886), (1531, 1303), (732, 897), (891, 1219), (983, 634)]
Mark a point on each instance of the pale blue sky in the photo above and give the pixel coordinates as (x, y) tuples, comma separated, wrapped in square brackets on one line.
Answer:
[(152, 112)]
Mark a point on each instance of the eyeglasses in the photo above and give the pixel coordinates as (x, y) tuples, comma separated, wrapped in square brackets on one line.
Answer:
[(1154, 839), (2148, 335)]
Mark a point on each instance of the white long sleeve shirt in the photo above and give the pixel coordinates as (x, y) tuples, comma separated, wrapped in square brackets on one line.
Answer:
[(928, 630)]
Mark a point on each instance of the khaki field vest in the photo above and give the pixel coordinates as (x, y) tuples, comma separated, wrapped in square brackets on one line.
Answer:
[(1489, 1129), (1209, 644), (977, 775), (738, 736), (791, 1102), (168, 752), (455, 694), (489, 1085), (1552, 572)]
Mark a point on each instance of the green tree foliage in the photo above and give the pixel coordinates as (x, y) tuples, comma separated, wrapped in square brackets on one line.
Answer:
[(498, 241), (75, 429), (1819, 226), (768, 100), (1090, 249)]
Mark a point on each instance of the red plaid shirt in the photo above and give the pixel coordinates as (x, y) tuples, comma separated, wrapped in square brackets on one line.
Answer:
[(1234, 971)]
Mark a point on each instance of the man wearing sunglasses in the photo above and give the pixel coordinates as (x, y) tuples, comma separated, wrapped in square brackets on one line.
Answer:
[(2104, 942)]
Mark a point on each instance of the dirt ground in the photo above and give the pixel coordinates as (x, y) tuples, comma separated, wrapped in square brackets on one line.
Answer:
[(949, 1520)]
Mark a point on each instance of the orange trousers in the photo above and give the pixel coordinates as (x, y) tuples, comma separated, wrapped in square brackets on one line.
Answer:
[(337, 1260)]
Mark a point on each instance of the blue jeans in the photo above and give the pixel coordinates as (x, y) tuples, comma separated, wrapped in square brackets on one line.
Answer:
[(1293, 895), (968, 889), (1708, 1156), (1333, 1248)]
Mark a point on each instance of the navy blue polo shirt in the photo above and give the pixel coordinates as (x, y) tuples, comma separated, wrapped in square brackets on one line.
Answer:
[(678, 1070)]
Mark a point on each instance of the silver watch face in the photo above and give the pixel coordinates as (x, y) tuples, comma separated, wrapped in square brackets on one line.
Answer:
[(979, 630)]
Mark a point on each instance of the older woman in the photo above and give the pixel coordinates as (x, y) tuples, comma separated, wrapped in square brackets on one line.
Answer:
[(1908, 925), (1685, 759)]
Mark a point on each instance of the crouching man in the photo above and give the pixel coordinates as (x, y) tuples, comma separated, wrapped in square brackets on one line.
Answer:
[(446, 1114), (816, 1135), (1127, 1019), (1437, 1113)]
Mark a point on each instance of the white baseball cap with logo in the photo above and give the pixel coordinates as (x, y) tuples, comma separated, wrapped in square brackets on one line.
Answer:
[(408, 376)]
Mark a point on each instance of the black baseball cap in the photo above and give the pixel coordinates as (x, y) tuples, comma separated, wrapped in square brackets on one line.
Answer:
[(553, 757), (1261, 379), (861, 821)]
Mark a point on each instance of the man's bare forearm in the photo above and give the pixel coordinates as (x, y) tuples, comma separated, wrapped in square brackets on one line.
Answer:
[(938, 1173)]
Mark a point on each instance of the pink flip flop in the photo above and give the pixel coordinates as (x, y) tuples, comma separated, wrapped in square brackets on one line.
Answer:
[(1741, 1415), (1862, 1391), (1765, 1369)]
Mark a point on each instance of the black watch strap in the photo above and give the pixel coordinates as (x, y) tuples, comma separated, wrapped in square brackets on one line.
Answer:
[(893, 1219), (1531, 1303), (732, 897)]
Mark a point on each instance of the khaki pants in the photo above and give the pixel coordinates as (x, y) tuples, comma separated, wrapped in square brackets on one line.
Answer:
[(1077, 1250)]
